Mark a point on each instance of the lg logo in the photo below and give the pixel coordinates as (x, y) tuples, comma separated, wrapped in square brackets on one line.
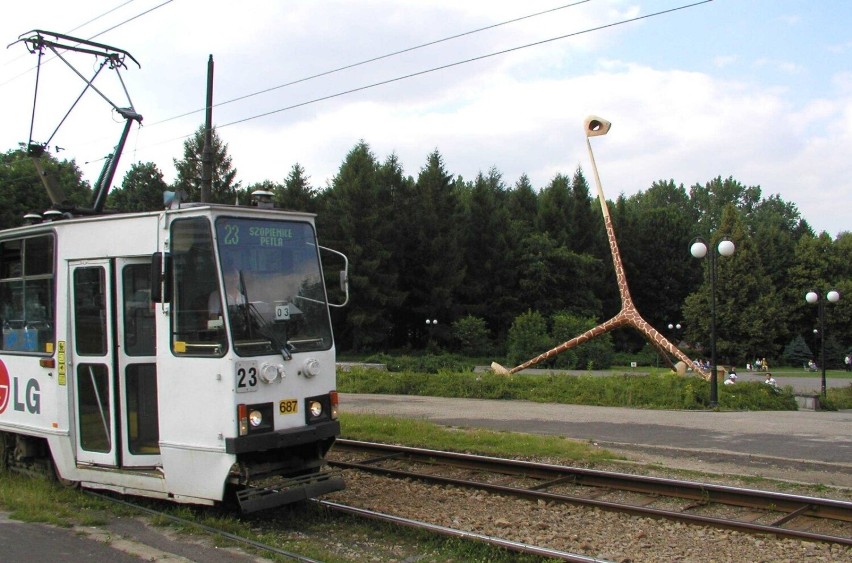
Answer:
[(32, 393)]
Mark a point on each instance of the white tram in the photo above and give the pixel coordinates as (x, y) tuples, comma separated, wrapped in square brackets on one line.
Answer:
[(185, 354)]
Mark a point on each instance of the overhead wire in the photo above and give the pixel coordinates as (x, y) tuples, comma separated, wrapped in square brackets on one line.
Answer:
[(374, 59), (128, 20), (465, 61)]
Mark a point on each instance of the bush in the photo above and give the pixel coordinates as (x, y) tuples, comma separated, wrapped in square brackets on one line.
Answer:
[(595, 354), (661, 391), (426, 363), (471, 336), (527, 337)]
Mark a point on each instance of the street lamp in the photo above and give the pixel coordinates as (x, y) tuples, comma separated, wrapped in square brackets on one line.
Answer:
[(698, 249), (431, 324), (813, 297)]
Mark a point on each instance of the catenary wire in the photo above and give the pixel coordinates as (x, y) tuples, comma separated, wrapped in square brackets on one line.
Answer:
[(465, 61), (128, 20), (374, 59)]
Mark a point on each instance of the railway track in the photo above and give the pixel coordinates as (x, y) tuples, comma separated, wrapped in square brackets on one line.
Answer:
[(718, 506)]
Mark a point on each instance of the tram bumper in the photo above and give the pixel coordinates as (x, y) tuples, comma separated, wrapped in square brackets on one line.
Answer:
[(324, 431)]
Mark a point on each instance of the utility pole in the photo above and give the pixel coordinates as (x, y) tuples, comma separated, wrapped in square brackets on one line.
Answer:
[(207, 151)]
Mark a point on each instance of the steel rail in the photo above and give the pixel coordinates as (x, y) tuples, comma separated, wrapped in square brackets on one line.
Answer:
[(792, 505), (510, 545)]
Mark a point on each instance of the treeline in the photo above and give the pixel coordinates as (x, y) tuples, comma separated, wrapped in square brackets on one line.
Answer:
[(480, 255)]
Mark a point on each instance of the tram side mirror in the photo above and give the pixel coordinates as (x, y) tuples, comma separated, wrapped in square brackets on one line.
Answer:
[(161, 277), (343, 275)]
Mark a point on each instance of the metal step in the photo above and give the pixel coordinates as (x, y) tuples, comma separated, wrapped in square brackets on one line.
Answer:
[(253, 499)]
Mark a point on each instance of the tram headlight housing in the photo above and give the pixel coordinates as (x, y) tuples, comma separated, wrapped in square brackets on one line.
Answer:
[(255, 419), (319, 409)]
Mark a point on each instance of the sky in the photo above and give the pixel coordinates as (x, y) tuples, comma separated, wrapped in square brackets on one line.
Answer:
[(757, 90)]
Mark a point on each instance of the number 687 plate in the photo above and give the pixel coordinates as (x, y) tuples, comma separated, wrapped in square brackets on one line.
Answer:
[(288, 406)]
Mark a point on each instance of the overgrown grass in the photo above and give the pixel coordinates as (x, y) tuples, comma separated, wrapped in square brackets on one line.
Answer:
[(838, 398), (39, 500), (422, 434), (654, 391)]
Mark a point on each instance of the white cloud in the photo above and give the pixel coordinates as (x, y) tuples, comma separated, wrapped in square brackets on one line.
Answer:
[(689, 115)]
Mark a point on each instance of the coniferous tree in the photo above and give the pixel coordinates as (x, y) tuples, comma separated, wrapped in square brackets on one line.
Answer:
[(556, 211), (225, 188), (749, 313), (359, 228), (434, 266), (490, 288), (296, 193)]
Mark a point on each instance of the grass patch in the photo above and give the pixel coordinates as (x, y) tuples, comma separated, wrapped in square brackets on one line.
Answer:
[(838, 398), (39, 500), (422, 434), (649, 391)]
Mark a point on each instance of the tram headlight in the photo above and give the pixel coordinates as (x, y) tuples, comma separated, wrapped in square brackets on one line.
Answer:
[(255, 418), (315, 408), (271, 372), (311, 368)]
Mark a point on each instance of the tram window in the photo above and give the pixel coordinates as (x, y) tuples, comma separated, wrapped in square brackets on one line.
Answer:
[(11, 254), (143, 430), (94, 407), (90, 311), (26, 294), (195, 278), (139, 328)]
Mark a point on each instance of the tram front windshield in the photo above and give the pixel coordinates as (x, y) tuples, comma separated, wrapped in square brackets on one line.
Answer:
[(272, 297)]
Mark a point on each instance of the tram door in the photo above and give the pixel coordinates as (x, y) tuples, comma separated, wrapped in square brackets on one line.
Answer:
[(92, 362), (137, 364), (115, 378)]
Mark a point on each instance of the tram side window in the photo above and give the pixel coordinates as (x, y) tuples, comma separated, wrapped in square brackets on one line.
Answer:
[(90, 311), (27, 306), (139, 326), (195, 280)]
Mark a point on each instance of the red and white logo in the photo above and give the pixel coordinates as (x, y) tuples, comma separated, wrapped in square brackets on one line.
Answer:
[(4, 387)]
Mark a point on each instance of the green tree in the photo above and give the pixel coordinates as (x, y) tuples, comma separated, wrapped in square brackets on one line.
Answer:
[(22, 192), (432, 264), (141, 190), (296, 193), (748, 309), (553, 278), (710, 200), (659, 269), (359, 228), (225, 188), (556, 210), (796, 352), (489, 288)]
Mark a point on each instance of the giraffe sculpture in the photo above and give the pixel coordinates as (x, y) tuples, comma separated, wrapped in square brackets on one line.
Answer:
[(628, 315)]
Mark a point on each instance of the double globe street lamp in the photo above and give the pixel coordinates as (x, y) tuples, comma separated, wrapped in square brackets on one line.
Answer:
[(698, 249), (812, 297)]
